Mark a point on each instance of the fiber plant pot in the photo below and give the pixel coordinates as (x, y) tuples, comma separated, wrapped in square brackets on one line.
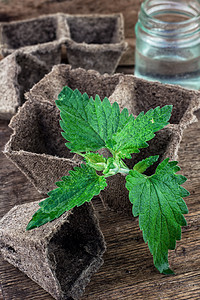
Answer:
[(42, 36), (61, 256), (144, 95), (18, 73), (96, 41), (37, 146)]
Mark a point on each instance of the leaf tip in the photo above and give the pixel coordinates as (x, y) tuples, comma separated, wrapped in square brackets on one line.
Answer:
[(168, 272), (30, 225), (168, 107)]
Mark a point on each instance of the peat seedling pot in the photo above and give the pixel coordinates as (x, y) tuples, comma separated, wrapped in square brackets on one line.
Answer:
[(90, 81), (144, 95), (18, 73), (61, 256), (92, 41), (96, 41), (42, 36), (40, 152), (36, 145)]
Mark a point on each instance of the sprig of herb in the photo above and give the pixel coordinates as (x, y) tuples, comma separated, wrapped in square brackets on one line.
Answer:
[(91, 124)]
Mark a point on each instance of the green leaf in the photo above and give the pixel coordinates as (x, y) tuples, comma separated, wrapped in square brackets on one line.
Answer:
[(88, 123), (136, 132), (144, 164), (95, 160), (80, 186), (158, 202)]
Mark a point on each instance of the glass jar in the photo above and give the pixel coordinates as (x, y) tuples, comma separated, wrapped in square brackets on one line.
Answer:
[(168, 42)]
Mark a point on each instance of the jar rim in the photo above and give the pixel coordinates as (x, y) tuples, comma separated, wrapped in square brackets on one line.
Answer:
[(191, 19)]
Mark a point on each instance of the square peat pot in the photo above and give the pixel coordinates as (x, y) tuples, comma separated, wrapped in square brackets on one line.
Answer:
[(142, 95), (18, 73), (61, 256), (42, 36), (36, 145), (39, 150), (96, 41)]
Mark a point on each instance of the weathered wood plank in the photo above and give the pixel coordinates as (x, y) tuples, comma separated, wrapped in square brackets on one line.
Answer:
[(129, 264), (184, 288), (1, 294)]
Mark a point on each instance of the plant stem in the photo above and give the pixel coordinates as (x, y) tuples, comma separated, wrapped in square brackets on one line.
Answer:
[(124, 171)]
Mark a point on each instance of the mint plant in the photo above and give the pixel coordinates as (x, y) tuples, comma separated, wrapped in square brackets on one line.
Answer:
[(91, 124)]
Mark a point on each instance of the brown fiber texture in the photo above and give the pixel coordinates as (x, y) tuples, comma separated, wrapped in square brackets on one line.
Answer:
[(91, 41), (42, 37), (96, 42), (38, 149), (37, 146), (18, 73), (61, 256)]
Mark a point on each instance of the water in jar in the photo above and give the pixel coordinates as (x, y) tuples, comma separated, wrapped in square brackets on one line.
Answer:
[(168, 43)]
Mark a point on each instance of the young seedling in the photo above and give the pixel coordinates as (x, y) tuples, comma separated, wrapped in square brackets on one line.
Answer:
[(90, 125)]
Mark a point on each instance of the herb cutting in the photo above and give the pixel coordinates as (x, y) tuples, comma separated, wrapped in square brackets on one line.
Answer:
[(91, 124)]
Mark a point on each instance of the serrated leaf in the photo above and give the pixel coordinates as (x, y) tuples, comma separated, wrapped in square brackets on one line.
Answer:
[(135, 134), (79, 187), (158, 202), (95, 160), (144, 164), (88, 123)]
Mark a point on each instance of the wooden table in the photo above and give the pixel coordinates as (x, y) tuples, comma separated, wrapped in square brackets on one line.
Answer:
[(128, 272)]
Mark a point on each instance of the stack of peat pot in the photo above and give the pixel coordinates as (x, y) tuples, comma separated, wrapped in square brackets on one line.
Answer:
[(87, 41)]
